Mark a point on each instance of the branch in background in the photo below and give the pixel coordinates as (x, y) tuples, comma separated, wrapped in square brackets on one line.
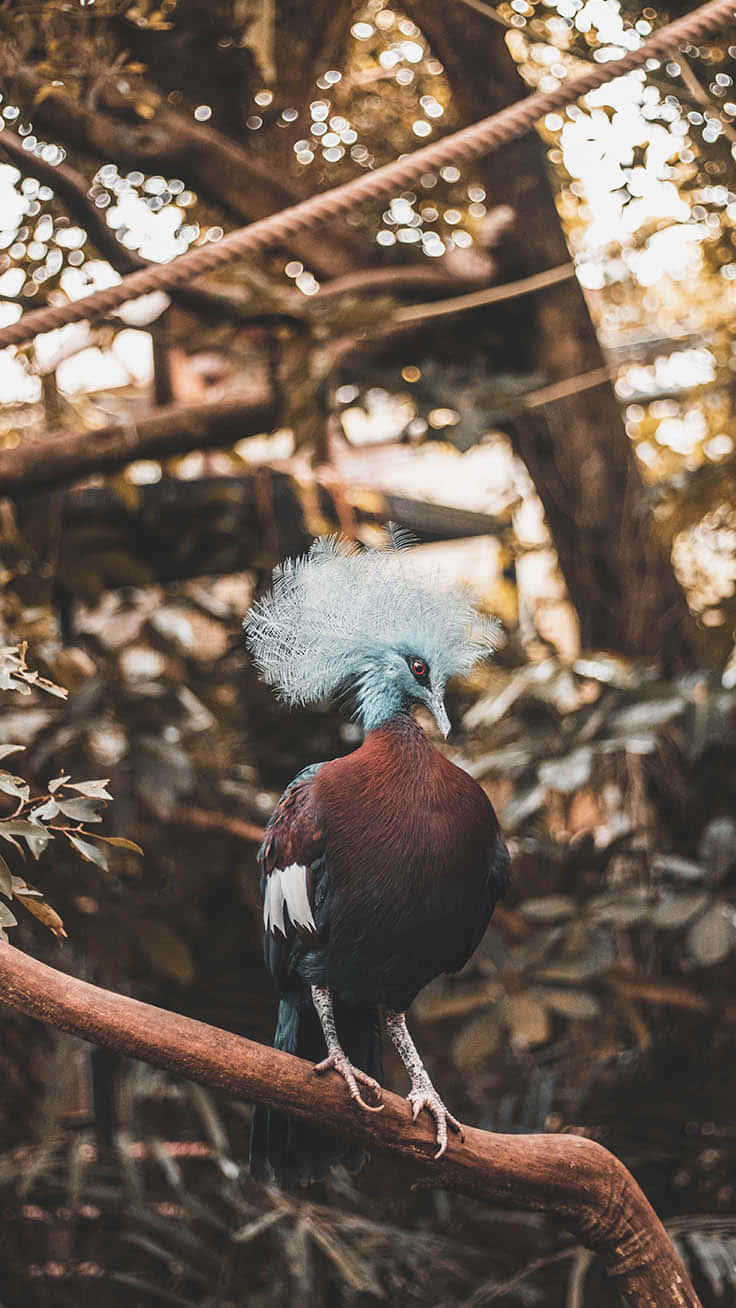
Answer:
[(72, 187), (701, 97), (173, 143), (414, 313), (201, 819), (571, 1179), (65, 456), (176, 529), (389, 281)]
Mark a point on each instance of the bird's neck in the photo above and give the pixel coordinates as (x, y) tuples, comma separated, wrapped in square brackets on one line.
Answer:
[(381, 704), (398, 734)]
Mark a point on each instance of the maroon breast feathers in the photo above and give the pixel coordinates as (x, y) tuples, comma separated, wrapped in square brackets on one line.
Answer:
[(397, 807)]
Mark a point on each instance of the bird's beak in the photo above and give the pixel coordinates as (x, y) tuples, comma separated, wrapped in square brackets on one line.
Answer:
[(440, 714)]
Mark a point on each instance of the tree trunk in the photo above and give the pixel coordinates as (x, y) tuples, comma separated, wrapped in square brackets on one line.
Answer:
[(576, 449)]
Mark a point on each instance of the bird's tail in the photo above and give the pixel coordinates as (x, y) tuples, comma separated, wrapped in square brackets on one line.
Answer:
[(292, 1152)]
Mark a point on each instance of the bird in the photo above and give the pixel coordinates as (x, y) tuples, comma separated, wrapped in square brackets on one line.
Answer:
[(379, 870)]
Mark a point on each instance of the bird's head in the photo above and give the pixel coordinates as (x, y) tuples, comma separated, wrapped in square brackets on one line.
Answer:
[(347, 620), (395, 678)]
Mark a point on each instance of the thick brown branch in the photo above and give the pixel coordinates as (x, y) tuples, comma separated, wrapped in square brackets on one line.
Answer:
[(64, 456), (574, 1180)]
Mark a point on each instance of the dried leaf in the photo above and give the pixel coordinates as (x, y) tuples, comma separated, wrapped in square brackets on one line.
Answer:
[(578, 1004), (120, 842), (529, 1019), (58, 781), (645, 714), (477, 1039), (45, 914), (599, 955), (166, 950), (552, 908)]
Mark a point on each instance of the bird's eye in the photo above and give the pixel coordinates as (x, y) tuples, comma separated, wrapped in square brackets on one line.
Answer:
[(419, 669)]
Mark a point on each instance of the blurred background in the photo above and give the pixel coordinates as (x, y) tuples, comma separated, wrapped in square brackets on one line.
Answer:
[(531, 363)]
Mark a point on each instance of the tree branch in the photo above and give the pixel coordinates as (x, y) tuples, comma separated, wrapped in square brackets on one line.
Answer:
[(73, 188), (172, 142), (572, 1179), (64, 456)]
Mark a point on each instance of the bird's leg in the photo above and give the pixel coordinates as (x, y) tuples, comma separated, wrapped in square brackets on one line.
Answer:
[(336, 1056), (422, 1093)]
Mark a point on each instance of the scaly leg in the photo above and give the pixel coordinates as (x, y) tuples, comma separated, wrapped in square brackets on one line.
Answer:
[(336, 1056), (422, 1093)]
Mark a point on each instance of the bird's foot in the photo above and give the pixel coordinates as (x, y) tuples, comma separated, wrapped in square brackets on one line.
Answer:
[(423, 1095), (354, 1078)]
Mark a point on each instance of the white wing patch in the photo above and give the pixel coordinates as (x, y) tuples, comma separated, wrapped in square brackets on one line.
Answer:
[(287, 888)]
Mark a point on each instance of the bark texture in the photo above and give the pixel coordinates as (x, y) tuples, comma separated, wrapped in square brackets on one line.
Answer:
[(574, 1180), (578, 454)]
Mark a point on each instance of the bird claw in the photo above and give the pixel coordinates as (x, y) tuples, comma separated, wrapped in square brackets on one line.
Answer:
[(352, 1075), (424, 1095)]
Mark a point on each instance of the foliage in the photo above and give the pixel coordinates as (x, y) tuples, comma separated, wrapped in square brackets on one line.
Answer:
[(602, 998), (65, 809)]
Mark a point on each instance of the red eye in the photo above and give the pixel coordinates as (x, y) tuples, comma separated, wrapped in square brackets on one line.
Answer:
[(419, 669)]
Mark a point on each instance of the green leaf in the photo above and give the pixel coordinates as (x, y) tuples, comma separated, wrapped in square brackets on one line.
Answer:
[(57, 781), (16, 786), (36, 836), (45, 812), (6, 879), (91, 853), (93, 789), (20, 888), (623, 909), (673, 911), (80, 810), (712, 937), (5, 750)]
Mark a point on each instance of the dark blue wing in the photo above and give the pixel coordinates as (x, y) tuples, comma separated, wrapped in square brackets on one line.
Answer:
[(291, 859)]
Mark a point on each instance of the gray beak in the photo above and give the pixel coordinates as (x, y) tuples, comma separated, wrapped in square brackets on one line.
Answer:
[(440, 714)]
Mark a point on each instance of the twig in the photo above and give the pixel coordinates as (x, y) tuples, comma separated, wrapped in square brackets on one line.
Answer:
[(200, 819), (490, 295)]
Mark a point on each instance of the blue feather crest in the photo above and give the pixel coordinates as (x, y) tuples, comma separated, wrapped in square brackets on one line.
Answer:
[(333, 611)]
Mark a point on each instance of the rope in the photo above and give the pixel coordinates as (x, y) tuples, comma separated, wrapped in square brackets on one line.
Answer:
[(460, 147)]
